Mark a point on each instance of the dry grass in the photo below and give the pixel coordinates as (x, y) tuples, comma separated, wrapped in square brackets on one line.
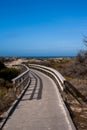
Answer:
[(6, 87), (6, 97)]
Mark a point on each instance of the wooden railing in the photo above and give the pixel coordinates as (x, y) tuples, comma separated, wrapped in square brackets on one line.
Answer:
[(63, 85), (21, 81), (55, 74)]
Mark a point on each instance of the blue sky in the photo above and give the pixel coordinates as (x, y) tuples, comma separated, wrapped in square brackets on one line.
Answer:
[(42, 27)]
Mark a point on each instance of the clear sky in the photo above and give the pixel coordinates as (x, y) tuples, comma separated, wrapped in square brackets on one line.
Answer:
[(42, 27)]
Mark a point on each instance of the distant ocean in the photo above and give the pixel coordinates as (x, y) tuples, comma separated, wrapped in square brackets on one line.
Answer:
[(39, 57), (47, 56)]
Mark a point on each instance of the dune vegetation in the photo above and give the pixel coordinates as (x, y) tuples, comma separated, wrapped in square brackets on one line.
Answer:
[(6, 87)]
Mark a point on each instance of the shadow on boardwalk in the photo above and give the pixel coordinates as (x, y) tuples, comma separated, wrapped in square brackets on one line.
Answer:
[(35, 88)]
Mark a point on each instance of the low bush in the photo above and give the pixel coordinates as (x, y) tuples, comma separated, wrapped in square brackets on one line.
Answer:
[(6, 86), (2, 66), (9, 73)]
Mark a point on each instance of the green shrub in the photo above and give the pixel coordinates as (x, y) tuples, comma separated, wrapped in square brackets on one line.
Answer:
[(2, 66), (9, 73)]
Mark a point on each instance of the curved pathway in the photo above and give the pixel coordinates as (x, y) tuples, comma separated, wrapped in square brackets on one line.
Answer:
[(40, 108)]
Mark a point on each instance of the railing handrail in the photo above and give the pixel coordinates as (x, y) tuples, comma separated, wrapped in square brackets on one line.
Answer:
[(19, 76), (60, 79), (52, 70)]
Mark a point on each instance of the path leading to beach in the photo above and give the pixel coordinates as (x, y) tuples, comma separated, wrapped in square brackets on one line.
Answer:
[(41, 107)]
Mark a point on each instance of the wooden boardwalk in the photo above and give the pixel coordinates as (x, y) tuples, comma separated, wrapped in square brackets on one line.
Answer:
[(41, 108)]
